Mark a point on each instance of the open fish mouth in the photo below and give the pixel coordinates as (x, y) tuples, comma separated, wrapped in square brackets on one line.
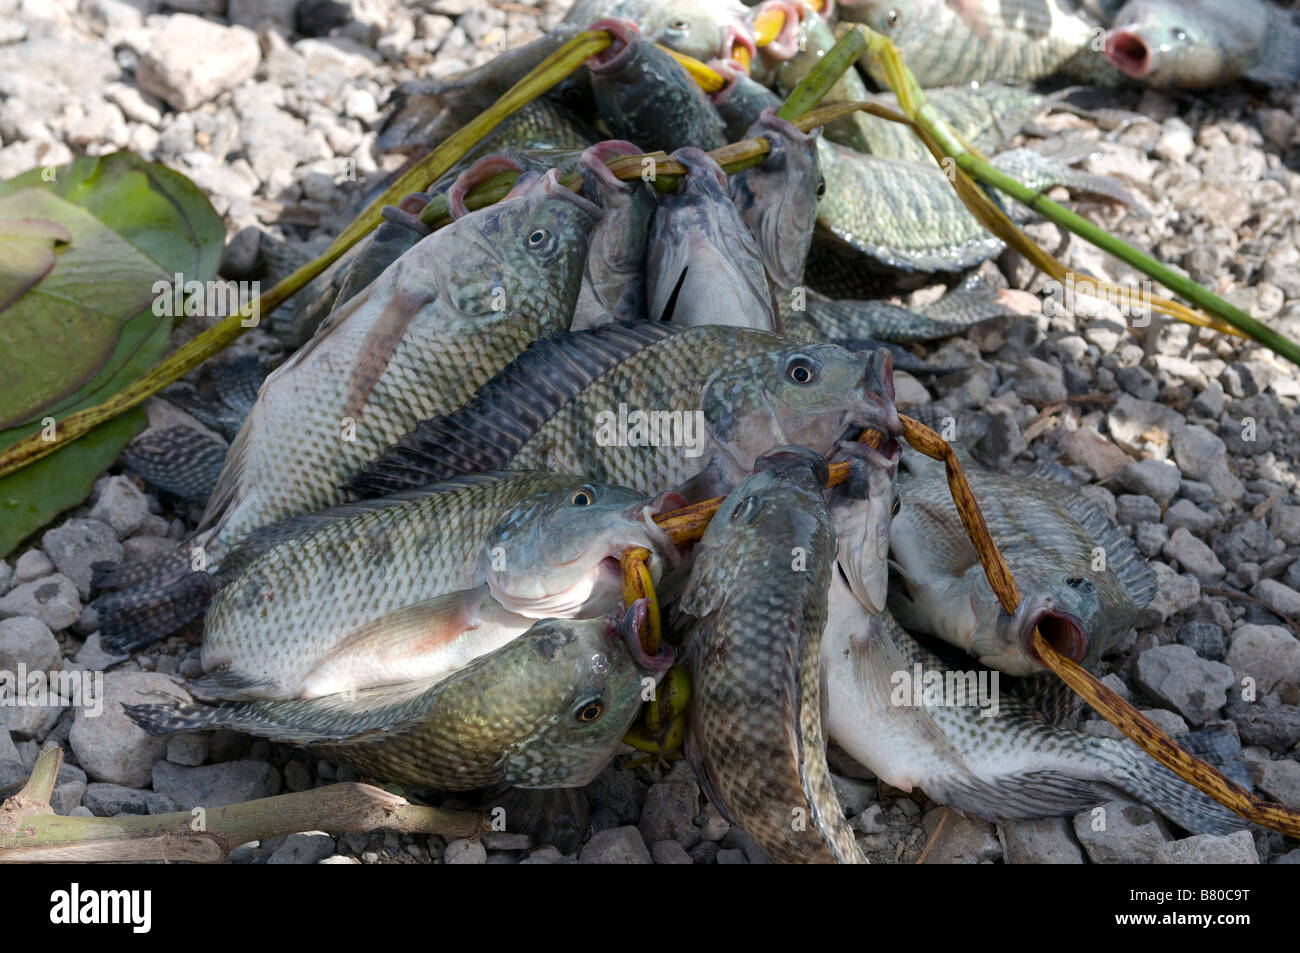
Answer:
[(1128, 53), (630, 629), (1062, 632), (616, 55)]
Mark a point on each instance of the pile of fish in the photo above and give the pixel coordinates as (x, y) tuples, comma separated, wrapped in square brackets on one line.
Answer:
[(410, 556)]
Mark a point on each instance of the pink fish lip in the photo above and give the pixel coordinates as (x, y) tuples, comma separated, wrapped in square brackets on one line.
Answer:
[(731, 71), (616, 55), (479, 172), (732, 37), (629, 630), (594, 159), (786, 43), (549, 185), (1128, 53), (1062, 631)]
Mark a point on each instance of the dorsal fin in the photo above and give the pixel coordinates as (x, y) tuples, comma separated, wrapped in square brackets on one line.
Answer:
[(267, 537), (1124, 559), (489, 430)]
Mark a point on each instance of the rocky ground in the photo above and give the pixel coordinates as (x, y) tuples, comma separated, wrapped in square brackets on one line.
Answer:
[(1188, 439)]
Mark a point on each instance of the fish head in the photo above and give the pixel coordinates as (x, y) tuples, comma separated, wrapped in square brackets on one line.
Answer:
[(684, 26), (778, 199), (585, 684), (558, 552), (1170, 44), (1065, 608), (862, 510), (883, 16), (809, 396), (616, 258), (529, 247)]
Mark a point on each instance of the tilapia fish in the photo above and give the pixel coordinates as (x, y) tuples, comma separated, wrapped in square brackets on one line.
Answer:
[(742, 100), (417, 342), (1205, 43), (944, 42), (416, 585), (906, 215), (547, 709), (704, 265), (915, 722), (649, 405), (698, 28), (647, 97), (1081, 578), (755, 608)]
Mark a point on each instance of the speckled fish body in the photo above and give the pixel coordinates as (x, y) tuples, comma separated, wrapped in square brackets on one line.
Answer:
[(417, 342), (547, 709), (704, 265), (649, 405), (1200, 44), (647, 97), (944, 42), (755, 608), (982, 115), (416, 585), (1082, 580)]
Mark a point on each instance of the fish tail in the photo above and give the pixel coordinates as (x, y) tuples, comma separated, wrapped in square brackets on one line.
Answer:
[(1143, 777), (160, 596), (178, 460), (1279, 57), (167, 718), (556, 816)]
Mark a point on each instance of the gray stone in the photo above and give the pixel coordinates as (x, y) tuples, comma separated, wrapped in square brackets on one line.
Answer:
[(547, 854), (1283, 522), (1158, 479), (121, 505), (53, 600), (963, 840), (1281, 599), (77, 545), (870, 821), (1184, 514), (853, 795), (32, 564), (465, 851), (92, 656), (1046, 841), (27, 641), (1281, 779), (110, 746), (1091, 450), (670, 809), (1195, 557), (215, 785), (620, 791), (731, 856), (67, 796), (188, 749), (188, 61), (1132, 510), (1039, 382), (1121, 832), (620, 845), (506, 840), (253, 13), (1209, 402), (670, 852), (1205, 638), (1201, 455), (1194, 687), (1143, 427), (1150, 538), (310, 847), (1267, 653), (1275, 728), (297, 776), (110, 800), (1235, 848)]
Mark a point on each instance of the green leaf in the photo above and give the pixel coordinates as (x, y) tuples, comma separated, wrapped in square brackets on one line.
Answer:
[(37, 493), (26, 255)]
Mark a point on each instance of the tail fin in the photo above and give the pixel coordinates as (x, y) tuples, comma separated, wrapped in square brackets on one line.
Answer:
[(557, 816), (161, 596), (1145, 778), (1041, 172), (179, 460)]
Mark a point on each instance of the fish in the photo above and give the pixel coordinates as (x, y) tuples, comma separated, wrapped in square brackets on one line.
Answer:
[(741, 100), (777, 200), (906, 216), (697, 28), (647, 97), (1081, 578), (1200, 44), (946, 42), (416, 585), (704, 265), (649, 405), (546, 710), (614, 277), (973, 301), (991, 755), (753, 611)]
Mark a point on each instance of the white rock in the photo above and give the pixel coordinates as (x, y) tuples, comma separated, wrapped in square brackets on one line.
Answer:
[(110, 746), (1195, 557), (52, 599), (1234, 848), (1267, 653), (190, 60)]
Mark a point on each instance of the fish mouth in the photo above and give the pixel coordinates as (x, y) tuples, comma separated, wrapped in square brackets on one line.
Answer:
[(616, 55), (732, 37), (645, 514), (593, 163), (730, 71), (1128, 53), (1063, 632), (786, 43), (550, 187), (475, 175), (629, 630), (877, 387)]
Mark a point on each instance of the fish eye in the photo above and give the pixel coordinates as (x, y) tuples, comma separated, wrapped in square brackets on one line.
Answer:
[(821, 187), (746, 509), (680, 26), (590, 711), (583, 497), (898, 505), (538, 237), (894, 16), (1180, 34), (801, 369)]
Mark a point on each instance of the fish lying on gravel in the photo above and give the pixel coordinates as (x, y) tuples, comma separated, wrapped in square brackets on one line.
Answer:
[(416, 585), (906, 215), (649, 405), (547, 709), (647, 97), (755, 607), (1081, 578), (1201, 44), (986, 754), (417, 342), (704, 266), (944, 42)]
